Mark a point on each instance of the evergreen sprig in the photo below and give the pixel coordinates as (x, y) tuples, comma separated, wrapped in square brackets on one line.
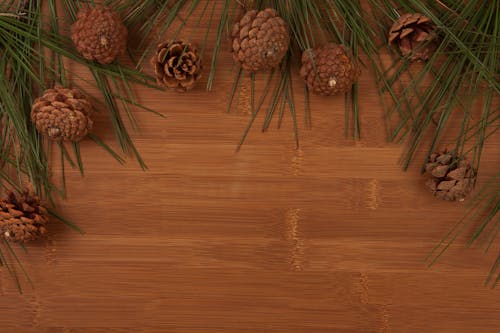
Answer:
[(464, 86), (34, 46), (33, 51), (312, 23), (463, 73)]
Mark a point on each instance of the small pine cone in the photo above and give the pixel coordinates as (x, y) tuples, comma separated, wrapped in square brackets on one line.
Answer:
[(62, 114), (22, 218), (177, 65), (260, 40), (99, 34), (329, 70), (451, 178), (415, 36)]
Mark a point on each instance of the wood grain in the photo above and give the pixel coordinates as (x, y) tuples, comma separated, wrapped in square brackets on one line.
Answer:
[(329, 237)]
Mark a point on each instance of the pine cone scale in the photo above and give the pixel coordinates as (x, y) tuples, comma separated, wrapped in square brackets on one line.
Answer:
[(162, 54), (440, 171)]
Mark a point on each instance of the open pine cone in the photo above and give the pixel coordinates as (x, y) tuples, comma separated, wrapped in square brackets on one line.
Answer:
[(415, 35), (177, 65), (452, 178), (99, 34), (22, 217), (62, 114), (260, 40), (329, 70)]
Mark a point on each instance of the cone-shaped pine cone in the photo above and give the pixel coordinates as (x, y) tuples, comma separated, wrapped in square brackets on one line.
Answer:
[(99, 34), (329, 70), (22, 217), (62, 114), (177, 65), (452, 178), (260, 40), (415, 36)]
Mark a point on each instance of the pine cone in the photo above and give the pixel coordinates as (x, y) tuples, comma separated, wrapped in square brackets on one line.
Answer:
[(329, 70), (99, 34), (177, 65), (62, 114), (452, 178), (22, 218), (260, 40), (415, 35)]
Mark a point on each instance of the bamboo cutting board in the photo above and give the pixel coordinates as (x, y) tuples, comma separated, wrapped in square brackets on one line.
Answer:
[(327, 237)]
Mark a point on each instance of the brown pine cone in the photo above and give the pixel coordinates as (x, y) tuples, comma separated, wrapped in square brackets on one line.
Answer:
[(62, 114), (260, 40), (329, 70), (22, 217), (452, 178), (177, 65), (99, 34), (415, 35)]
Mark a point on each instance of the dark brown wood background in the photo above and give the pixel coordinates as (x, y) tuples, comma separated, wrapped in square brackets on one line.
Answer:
[(329, 237)]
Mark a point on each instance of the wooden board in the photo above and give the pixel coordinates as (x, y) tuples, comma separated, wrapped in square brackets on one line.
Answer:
[(329, 237)]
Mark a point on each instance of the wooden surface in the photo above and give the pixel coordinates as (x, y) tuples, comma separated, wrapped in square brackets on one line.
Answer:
[(329, 237)]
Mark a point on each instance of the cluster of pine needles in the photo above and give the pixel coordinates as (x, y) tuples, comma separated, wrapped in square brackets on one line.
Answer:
[(34, 47), (464, 89)]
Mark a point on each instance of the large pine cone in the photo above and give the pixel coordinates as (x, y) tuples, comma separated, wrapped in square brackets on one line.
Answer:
[(99, 34), (452, 178), (22, 218), (329, 70), (260, 40), (62, 114), (415, 36), (177, 65)]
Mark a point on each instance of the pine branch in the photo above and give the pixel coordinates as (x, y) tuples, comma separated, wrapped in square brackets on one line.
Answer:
[(457, 80), (32, 56), (483, 210)]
